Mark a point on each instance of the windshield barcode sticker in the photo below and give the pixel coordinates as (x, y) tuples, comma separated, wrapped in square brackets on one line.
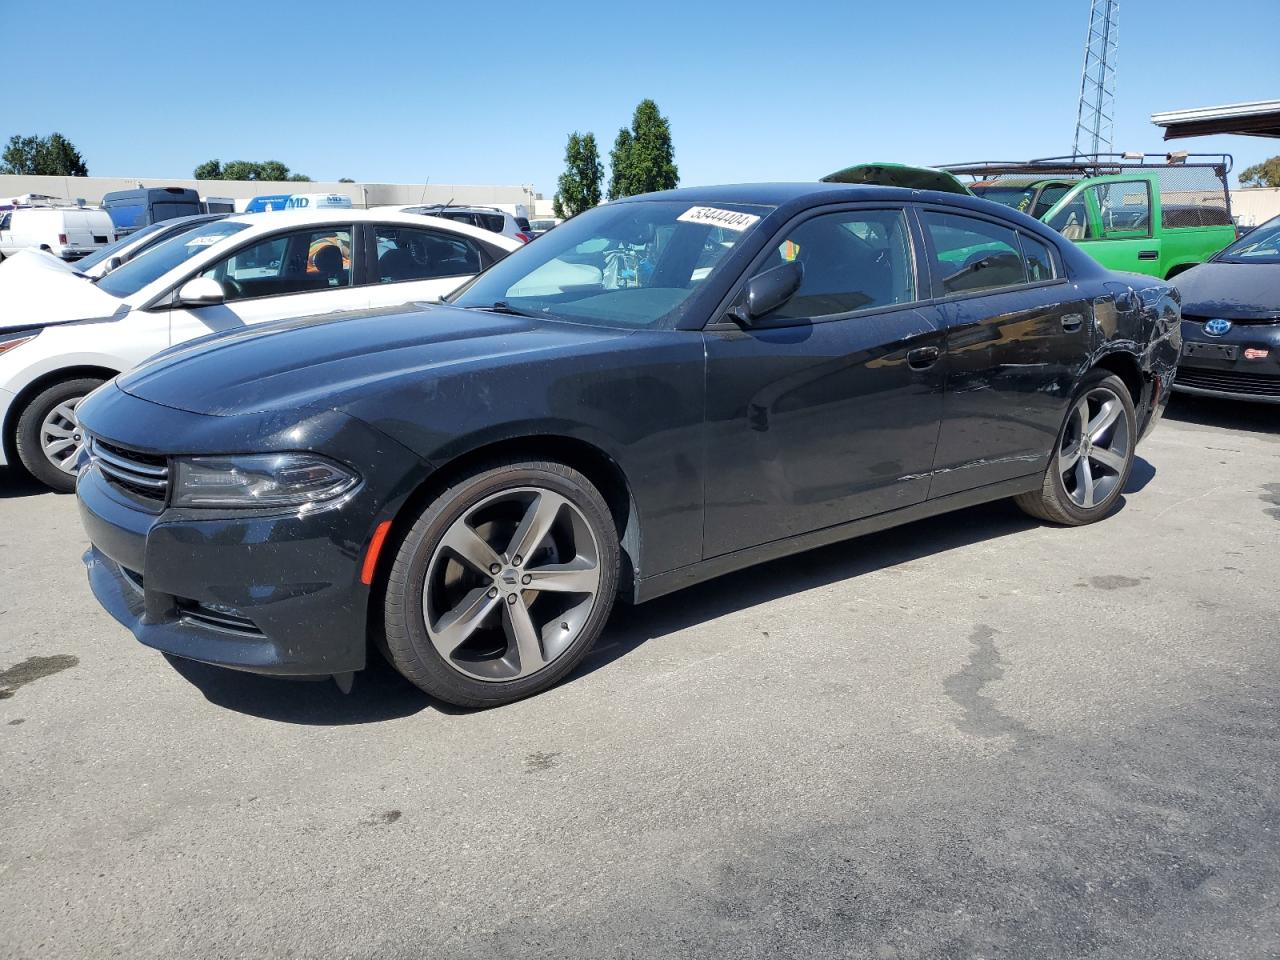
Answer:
[(714, 217), (206, 241)]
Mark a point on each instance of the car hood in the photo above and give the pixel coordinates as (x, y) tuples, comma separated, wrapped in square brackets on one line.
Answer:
[(37, 289), (1234, 291), (333, 359)]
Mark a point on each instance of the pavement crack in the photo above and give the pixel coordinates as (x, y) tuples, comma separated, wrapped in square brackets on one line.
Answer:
[(982, 717)]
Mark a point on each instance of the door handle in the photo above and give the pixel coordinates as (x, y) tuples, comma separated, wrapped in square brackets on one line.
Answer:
[(1071, 322), (922, 358), (1148, 254)]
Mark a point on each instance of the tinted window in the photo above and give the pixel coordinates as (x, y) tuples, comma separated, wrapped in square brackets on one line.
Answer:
[(127, 215), (411, 253), (140, 271), (4, 221), (852, 261), (492, 221), (301, 262), (971, 254), (1038, 258), (169, 210)]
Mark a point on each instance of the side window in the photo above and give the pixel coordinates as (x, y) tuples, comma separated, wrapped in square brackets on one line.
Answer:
[(301, 262), (971, 254), (1124, 209), (4, 221), (411, 253), (1048, 197), (852, 261), (493, 222), (1073, 220), (1038, 258)]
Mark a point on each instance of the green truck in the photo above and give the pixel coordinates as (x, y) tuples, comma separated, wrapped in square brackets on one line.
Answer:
[(1157, 214)]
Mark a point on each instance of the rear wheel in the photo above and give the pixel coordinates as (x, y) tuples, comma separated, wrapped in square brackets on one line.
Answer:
[(502, 585), (1092, 458), (48, 435)]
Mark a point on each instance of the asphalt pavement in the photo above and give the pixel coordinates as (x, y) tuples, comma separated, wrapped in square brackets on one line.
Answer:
[(975, 736)]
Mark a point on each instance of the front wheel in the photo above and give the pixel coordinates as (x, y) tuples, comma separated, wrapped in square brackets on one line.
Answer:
[(1091, 461), (48, 435), (502, 585)]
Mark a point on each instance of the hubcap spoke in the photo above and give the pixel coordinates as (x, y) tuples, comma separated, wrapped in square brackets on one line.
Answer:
[(1084, 482), (57, 446), (55, 430), (536, 524), (1108, 458), (469, 545), (1105, 417), (524, 635), (67, 411), (461, 622), (1067, 458), (576, 577)]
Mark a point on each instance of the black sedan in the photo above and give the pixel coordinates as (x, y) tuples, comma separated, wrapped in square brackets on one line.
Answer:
[(661, 390), (1231, 321)]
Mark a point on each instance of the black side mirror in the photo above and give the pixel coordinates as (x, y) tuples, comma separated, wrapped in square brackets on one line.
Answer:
[(766, 292)]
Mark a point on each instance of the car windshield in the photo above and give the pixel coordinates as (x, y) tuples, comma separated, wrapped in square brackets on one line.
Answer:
[(1259, 245), (635, 264), (1017, 197), (131, 277), (111, 249)]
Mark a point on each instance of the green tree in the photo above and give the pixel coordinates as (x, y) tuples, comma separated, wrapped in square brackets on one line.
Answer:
[(651, 157), (272, 170), (620, 166), (255, 170), (209, 170), (1264, 174), (51, 156), (345, 180), (579, 185)]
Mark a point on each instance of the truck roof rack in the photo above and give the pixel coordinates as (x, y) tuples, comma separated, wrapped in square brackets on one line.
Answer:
[(1093, 164)]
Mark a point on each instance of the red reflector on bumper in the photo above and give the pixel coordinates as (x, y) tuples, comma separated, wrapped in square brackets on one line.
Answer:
[(371, 555)]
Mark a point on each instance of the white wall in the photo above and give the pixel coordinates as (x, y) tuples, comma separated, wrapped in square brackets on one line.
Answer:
[(1254, 205)]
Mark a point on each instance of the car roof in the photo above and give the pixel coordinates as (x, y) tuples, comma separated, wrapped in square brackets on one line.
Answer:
[(337, 216)]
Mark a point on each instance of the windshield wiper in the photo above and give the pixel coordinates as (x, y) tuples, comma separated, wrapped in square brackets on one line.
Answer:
[(501, 306)]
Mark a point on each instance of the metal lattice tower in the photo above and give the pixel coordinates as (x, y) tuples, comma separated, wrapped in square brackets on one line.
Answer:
[(1095, 116)]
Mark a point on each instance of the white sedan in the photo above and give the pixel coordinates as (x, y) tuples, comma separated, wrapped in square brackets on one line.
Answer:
[(63, 334)]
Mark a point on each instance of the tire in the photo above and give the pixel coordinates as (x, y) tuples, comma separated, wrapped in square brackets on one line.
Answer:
[(1065, 497), (454, 628), (45, 417)]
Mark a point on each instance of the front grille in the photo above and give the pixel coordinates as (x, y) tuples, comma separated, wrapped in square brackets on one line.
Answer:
[(193, 611), (142, 474), (1229, 381)]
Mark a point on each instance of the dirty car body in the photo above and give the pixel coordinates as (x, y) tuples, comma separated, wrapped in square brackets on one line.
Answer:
[(717, 443)]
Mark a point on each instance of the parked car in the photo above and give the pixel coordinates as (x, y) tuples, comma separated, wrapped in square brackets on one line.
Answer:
[(1231, 321), (62, 335), (486, 218), (729, 375), (1155, 214), (541, 225), (67, 232), (134, 244), (132, 210)]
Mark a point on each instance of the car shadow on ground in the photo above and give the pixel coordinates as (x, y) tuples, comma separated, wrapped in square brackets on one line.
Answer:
[(1225, 414), (16, 483), (379, 693)]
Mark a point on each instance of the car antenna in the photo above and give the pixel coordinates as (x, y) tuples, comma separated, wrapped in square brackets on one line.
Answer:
[(423, 199)]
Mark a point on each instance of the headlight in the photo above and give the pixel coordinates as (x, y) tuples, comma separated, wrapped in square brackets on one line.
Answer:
[(259, 480), (15, 339)]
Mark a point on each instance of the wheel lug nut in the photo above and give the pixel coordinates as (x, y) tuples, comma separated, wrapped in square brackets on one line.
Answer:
[(518, 560), (526, 579), (495, 568), (493, 592), (511, 598)]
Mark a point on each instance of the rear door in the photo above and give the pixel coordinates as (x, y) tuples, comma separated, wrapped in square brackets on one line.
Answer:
[(409, 263), (1018, 334), (826, 410), (292, 274)]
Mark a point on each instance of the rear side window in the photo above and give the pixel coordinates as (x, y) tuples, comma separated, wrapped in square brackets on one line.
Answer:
[(494, 222), (971, 254), (1037, 257), (856, 260), (411, 253)]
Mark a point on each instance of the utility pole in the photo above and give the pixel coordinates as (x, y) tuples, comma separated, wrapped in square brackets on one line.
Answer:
[(1095, 115)]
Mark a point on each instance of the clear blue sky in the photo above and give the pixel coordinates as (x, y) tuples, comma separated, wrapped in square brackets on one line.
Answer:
[(486, 91)]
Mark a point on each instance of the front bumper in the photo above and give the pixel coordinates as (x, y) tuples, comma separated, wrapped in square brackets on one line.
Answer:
[(1234, 378)]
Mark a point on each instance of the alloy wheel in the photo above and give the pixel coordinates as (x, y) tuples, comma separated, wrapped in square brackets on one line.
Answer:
[(1095, 448), (511, 584), (60, 436)]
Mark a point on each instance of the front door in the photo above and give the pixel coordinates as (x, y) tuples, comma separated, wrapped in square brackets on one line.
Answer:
[(1111, 219), (826, 410), (1017, 334), (294, 274)]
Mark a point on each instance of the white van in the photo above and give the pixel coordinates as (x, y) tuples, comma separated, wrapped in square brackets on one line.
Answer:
[(317, 201), (66, 232)]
